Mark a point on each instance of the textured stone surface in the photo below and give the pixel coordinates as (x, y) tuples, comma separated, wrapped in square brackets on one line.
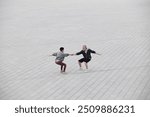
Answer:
[(30, 30)]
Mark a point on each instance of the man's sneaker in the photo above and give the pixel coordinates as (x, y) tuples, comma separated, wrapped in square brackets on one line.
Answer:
[(64, 72)]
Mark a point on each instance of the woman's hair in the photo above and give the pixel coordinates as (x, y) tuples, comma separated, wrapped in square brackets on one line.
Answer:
[(61, 48), (84, 47)]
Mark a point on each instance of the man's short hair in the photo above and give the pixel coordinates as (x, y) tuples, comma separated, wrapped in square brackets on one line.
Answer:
[(61, 48)]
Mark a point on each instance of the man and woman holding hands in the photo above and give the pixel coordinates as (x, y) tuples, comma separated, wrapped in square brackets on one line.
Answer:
[(61, 55)]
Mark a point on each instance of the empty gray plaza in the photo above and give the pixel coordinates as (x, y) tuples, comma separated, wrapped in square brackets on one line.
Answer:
[(31, 30)]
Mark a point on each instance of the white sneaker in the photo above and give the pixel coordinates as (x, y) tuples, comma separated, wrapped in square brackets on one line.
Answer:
[(81, 69), (86, 70), (63, 72)]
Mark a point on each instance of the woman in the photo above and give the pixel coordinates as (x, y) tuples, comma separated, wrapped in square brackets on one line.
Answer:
[(86, 56)]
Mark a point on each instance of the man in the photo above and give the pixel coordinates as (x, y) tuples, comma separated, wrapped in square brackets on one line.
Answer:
[(60, 58), (86, 56)]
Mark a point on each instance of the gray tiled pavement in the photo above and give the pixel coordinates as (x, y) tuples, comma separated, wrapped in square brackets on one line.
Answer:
[(30, 30)]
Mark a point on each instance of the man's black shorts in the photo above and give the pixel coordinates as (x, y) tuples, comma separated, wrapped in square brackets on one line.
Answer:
[(84, 60)]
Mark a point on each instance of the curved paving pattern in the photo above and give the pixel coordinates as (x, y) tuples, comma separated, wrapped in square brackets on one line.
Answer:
[(31, 30)]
